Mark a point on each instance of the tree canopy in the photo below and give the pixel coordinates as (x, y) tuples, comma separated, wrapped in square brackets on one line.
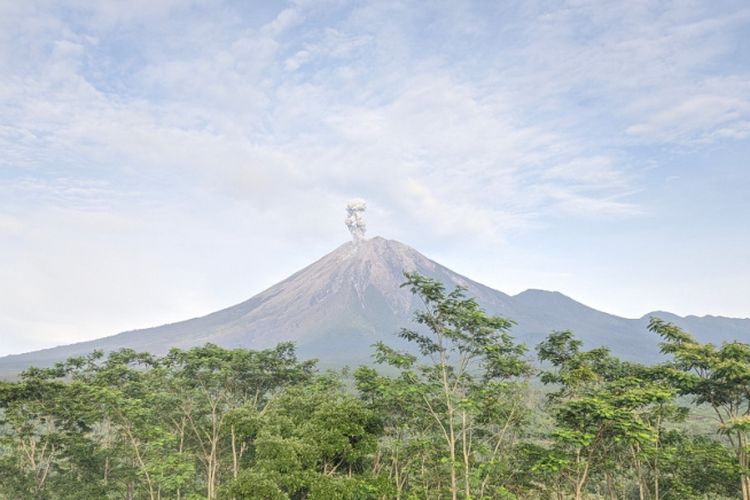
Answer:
[(466, 413)]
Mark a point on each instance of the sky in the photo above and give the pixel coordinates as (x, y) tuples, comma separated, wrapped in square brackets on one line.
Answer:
[(163, 159)]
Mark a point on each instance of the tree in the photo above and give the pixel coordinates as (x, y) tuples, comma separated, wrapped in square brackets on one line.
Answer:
[(135, 425), (467, 366), (212, 385), (718, 377), (313, 441), (603, 411), (33, 434), (697, 467)]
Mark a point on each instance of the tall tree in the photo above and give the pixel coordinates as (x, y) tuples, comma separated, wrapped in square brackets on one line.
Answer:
[(467, 366), (213, 384), (312, 441), (603, 412), (715, 376)]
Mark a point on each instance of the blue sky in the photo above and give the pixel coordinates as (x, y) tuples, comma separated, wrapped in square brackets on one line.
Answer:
[(163, 159)]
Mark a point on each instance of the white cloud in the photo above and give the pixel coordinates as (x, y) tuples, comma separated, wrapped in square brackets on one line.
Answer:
[(592, 171), (226, 112), (697, 117), (458, 122)]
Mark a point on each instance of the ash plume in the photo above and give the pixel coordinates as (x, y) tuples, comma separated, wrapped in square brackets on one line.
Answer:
[(355, 220)]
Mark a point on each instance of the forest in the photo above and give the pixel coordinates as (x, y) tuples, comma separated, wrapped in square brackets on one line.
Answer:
[(467, 413)]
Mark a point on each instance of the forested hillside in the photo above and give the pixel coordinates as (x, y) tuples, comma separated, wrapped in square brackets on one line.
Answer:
[(461, 416)]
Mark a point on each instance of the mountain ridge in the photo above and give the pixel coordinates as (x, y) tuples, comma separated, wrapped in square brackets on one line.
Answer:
[(339, 305)]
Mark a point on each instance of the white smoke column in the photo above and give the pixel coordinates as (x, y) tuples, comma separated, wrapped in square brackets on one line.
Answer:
[(355, 220)]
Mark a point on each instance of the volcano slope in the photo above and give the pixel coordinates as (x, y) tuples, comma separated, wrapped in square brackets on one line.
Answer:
[(337, 307)]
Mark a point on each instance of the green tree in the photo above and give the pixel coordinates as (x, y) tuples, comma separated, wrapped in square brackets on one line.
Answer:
[(604, 413), (697, 467), (464, 383), (715, 376), (137, 426), (213, 387), (313, 441), (33, 434)]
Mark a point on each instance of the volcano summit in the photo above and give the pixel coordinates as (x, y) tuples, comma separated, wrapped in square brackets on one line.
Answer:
[(337, 307)]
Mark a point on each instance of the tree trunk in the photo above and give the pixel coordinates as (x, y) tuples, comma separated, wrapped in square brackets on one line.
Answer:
[(466, 452), (451, 423), (235, 463), (642, 486), (582, 477), (610, 486), (743, 462)]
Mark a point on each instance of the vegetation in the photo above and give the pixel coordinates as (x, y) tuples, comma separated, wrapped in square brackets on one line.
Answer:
[(458, 417)]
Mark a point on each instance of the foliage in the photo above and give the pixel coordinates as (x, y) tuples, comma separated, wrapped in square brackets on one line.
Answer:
[(455, 406), (458, 416), (718, 377)]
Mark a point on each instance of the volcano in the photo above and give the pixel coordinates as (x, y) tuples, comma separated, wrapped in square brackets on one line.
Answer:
[(337, 307)]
